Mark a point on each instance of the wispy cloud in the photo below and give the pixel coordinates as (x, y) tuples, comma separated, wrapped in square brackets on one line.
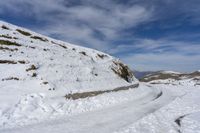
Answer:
[(81, 23), (158, 46)]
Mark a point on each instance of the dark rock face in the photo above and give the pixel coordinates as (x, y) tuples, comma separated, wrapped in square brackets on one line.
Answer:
[(123, 71)]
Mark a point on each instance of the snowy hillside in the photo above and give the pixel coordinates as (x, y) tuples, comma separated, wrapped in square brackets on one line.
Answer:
[(32, 65), (50, 86)]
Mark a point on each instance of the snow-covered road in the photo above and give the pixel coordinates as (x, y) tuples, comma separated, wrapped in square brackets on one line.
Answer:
[(105, 120)]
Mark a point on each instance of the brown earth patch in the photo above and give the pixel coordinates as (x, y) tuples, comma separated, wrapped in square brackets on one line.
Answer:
[(23, 32), (9, 43), (82, 95)]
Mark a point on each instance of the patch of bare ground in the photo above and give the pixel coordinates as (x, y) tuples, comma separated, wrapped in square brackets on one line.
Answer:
[(39, 38), (8, 49), (31, 47), (83, 53), (162, 83), (12, 62), (4, 27), (82, 95), (194, 74), (158, 75), (63, 46), (6, 36), (102, 56), (34, 75), (10, 78), (32, 67), (9, 43), (23, 32)]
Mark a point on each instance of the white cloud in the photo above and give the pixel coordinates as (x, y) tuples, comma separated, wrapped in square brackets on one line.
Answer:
[(80, 22), (159, 45)]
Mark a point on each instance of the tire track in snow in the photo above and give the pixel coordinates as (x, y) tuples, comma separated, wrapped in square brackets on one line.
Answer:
[(104, 120)]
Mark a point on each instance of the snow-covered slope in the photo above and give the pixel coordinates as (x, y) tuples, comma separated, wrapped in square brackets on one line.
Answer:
[(33, 66), (28, 58)]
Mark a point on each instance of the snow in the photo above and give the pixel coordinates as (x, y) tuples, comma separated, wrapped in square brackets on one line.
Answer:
[(171, 72), (163, 120), (134, 103), (191, 123), (133, 111), (27, 109), (37, 104)]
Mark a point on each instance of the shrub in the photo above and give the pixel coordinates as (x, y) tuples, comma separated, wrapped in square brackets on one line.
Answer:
[(6, 36), (11, 78), (83, 53), (5, 42), (22, 62), (33, 67), (101, 56), (8, 49), (45, 82), (34, 75), (23, 32), (7, 62), (39, 38), (63, 46), (4, 27)]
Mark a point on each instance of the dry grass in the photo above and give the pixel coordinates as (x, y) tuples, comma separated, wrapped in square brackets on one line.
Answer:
[(11, 62), (33, 67), (83, 53), (39, 38), (4, 27), (10, 78), (6, 36), (45, 82), (8, 49), (23, 32), (102, 56), (63, 46), (22, 62), (34, 75), (7, 62), (9, 43)]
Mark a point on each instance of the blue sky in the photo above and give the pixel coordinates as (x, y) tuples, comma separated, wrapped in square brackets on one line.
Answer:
[(145, 34)]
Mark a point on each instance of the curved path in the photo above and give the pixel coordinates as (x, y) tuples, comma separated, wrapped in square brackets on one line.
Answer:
[(105, 120)]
